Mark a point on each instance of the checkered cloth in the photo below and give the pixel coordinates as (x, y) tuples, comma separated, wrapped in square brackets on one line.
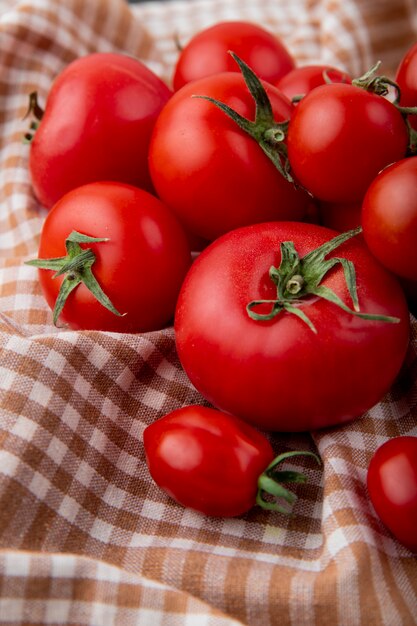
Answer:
[(86, 538)]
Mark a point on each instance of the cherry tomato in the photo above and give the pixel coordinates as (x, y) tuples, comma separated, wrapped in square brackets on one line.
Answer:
[(340, 137), (209, 171), (139, 267), (389, 218), (392, 487), (406, 79), (280, 371), (207, 52), (301, 80), (216, 463), (96, 126)]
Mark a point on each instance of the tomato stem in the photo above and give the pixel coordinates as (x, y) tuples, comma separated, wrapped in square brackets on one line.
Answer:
[(270, 482), (298, 277), (36, 110), (77, 266)]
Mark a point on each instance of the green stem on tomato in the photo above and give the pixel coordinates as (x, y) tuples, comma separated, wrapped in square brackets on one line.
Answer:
[(77, 268)]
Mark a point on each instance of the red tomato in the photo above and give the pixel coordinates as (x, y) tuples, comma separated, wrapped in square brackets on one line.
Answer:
[(301, 80), (212, 174), (207, 460), (281, 374), (207, 53), (406, 79), (140, 267), (216, 463), (392, 487), (389, 218), (96, 126), (340, 137)]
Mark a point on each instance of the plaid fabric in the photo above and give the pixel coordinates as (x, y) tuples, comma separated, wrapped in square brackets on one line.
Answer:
[(85, 536)]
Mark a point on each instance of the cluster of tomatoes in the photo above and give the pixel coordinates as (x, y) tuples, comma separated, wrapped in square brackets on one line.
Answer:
[(297, 186)]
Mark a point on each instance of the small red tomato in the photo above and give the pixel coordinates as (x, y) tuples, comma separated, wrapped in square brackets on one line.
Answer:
[(112, 257), (389, 218), (215, 463), (301, 80), (392, 486), (97, 123), (207, 52)]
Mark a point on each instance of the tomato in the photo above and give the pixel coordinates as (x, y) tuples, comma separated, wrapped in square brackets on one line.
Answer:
[(389, 217), (139, 267), (216, 463), (301, 80), (207, 52), (96, 125), (282, 372), (209, 171), (340, 136), (392, 487), (406, 79)]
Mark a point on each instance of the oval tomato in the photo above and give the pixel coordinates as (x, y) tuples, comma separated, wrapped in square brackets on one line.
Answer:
[(392, 487), (301, 80), (216, 463), (340, 137), (96, 126), (406, 79), (212, 174), (389, 218), (207, 52), (281, 373), (139, 267)]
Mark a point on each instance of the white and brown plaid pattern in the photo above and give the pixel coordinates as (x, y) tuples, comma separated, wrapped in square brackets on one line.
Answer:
[(86, 538)]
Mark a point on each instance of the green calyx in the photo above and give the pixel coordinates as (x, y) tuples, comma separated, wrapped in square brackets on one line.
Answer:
[(299, 277), (77, 268), (37, 112), (270, 482), (268, 133)]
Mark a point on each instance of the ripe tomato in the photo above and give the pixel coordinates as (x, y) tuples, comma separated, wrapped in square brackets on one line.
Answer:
[(389, 218), (340, 137), (207, 52), (406, 79), (212, 174), (280, 373), (216, 463), (96, 126), (301, 80), (140, 266), (392, 487), (340, 216)]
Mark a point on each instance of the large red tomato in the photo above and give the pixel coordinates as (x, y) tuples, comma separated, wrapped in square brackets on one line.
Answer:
[(207, 52), (389, 218), (212, 174), (266, 345), (392, 487), (139, 266), (96, 126), (340, 136), (302, 79)]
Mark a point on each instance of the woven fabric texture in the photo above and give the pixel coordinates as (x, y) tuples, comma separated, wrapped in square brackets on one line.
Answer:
[(86, 537)]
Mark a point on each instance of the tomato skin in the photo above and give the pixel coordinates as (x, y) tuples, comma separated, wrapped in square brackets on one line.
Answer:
[(406, 79), (389, 218), (212, 174), (207, 460), (340, 136), (207, 53), (301, 80), (392, 487), (140, 268), (97, 124), (279, 375)]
